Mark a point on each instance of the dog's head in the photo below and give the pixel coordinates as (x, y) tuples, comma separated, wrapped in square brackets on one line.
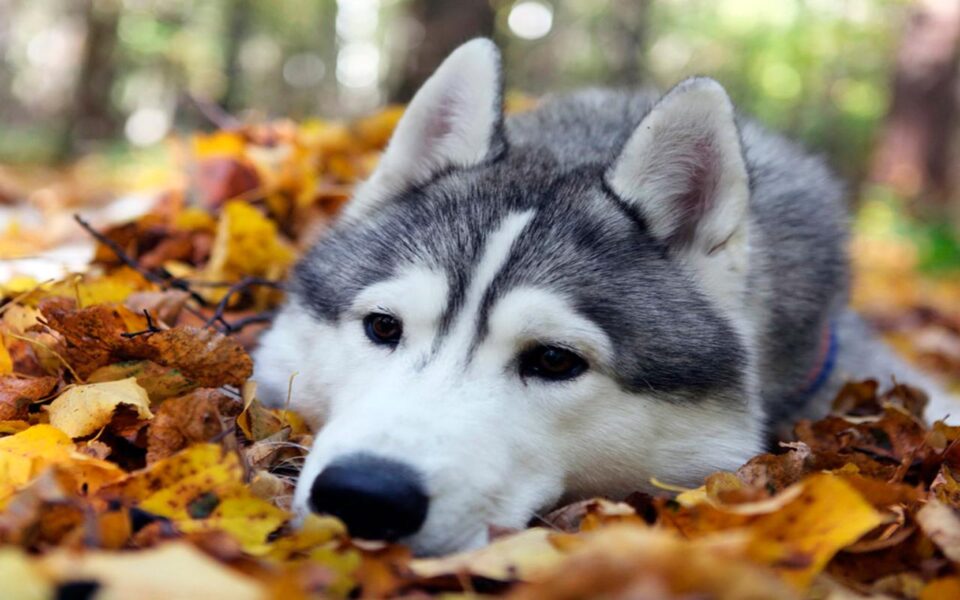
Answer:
[(503, 319)]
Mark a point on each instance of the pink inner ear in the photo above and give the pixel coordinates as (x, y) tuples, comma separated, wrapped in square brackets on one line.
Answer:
[(440, 123), (699, 165)]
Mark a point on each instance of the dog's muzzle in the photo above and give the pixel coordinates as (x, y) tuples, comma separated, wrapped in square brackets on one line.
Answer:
[(377, 498)]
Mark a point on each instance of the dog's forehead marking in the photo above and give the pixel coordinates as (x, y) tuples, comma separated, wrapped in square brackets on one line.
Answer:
[(495, 255)]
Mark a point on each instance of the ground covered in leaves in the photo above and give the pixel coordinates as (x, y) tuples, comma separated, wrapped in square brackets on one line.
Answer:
[(136, 461)]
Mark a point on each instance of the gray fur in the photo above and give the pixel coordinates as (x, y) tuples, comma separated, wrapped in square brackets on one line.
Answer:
[(591, 246)]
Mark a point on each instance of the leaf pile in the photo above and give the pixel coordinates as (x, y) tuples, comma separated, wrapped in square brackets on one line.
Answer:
[(136, 460)]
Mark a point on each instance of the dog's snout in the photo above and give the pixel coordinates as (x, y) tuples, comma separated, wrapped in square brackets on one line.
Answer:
[(377, 498)]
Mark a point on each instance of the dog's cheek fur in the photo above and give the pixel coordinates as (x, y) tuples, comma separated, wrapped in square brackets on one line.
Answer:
[(622, 440), (484, 462), (291, 366)]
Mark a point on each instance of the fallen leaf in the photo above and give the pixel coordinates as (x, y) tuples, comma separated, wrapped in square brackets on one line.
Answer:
[(942, 525), (205, 357), (798, 540), (183, 421), (25, 455), (18, 393), (173, 570), (520, 557), (85, 409), (629, 561)]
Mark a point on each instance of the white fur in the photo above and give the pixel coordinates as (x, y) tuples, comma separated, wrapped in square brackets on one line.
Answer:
[(492, 446), (448, 123)]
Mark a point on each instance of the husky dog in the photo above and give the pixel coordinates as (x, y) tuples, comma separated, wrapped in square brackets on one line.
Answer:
[(564, 303)]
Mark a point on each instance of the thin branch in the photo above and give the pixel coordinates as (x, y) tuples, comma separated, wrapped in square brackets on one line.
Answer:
[(164, 282), (151, 327), (236, 288), (236, 326)]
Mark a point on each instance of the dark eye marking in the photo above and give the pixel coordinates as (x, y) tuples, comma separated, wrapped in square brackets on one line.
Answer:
[(551, 363), (383, 329)]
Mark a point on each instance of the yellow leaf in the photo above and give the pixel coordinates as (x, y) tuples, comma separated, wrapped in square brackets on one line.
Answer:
[(16, 285), (172, 571), (9, 427), (25, 455), (244, 516), (219, 144), (194, 218), (6, 363), (84, 409), (800, 538), (246, 243), (202, 489), (522, 556), (314, 532)]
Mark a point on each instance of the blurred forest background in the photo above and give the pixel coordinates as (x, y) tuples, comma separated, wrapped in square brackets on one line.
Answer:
[(103, 105), (873, 84)]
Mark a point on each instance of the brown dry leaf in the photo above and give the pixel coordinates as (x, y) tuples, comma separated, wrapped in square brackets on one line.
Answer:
[(627, 561), (18, 393), (775, 472), (165, 305), (83, 410), (94, 339), (159, 381), (183, 421), (92, 335), (207, 358), (941, 589)]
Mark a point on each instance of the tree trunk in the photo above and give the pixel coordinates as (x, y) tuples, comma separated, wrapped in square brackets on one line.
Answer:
[(912, 156), (446, 25), (93, 116), (240, 13)]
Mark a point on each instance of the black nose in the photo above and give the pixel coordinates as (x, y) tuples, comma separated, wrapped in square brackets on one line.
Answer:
[(377, 498)]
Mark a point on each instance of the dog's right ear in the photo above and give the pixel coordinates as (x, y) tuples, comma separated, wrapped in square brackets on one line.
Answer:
[(454, 120), (683, 169)]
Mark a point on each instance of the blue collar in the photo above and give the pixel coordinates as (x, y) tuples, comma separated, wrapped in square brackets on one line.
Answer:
[(823, 369)]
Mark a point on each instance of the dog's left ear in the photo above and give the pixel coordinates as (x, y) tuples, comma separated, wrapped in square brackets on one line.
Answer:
[(683, 169), (454, 120)]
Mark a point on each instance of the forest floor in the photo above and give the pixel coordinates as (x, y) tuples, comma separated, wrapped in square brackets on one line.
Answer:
[(136, 461)]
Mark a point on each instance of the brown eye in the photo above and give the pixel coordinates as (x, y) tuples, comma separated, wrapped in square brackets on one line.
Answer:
[(551, 363), (383, 329)]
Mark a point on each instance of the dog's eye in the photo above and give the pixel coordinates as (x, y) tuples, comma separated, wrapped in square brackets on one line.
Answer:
[(383, 329), (552, 363)]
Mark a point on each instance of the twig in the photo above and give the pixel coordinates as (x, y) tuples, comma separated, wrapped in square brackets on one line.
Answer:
[(163, 282), (151, 327), (48, 349), (236, 288), (236, 326)]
